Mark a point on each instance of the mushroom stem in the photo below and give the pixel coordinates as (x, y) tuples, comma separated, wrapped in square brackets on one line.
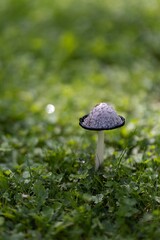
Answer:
[(100, 149)]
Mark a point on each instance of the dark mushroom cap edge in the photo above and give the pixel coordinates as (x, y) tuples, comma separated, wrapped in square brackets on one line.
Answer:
[(81, 120)]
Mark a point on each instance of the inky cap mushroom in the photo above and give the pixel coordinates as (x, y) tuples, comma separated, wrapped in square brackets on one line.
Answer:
[(101, 117)]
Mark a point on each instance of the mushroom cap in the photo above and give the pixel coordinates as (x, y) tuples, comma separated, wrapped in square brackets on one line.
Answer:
[(102, 117)]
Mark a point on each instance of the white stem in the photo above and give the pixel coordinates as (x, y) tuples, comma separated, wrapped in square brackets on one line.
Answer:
[(100, 149)]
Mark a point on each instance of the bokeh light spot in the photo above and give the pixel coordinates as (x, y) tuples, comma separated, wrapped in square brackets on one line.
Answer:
[(50, 108)]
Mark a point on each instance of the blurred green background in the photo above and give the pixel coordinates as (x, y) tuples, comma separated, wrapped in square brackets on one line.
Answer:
[(73, 55)]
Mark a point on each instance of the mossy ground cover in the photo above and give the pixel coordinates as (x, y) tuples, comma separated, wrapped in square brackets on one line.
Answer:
[(73, 55)]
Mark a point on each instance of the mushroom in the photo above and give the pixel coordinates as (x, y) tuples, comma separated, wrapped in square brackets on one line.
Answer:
[(101, 117)]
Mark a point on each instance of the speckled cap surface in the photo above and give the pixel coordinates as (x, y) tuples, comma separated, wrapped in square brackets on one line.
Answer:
[(101, 117)]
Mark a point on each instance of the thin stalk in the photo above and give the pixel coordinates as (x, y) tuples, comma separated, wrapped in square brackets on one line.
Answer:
[(100, 150)]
